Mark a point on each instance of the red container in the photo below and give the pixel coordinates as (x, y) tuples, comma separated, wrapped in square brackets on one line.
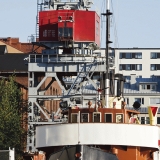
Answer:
[(64, 25)]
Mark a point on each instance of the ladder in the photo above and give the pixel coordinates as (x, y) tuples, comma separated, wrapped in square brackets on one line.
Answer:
[(81, 75), (39, 8)]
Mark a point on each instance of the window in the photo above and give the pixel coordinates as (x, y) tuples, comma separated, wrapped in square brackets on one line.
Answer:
[(45, 33), (154, 100), (126, 100), (74, 117), (53, 33), (60, 31), (84, 117), (108, 117), (147, 120), (65, 32), (142, 120), (129, 67), (153, 67), (96, 117), (155, 55), (138, 67), (119, 118), (140, 100), (138, 55), (148, 86), (158, 120), (128, 55), (143, 86), (122, 55), (153, 87)]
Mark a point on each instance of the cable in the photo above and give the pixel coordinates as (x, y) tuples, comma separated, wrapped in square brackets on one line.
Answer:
[(116, 44), (102, 11)]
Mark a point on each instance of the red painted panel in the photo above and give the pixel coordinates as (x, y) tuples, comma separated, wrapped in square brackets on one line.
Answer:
[(154, 110), (85, 26)]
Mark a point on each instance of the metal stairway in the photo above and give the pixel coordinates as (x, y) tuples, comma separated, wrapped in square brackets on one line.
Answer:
[(81, 75)]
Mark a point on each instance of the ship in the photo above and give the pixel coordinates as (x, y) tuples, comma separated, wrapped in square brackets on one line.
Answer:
[(92, 121)]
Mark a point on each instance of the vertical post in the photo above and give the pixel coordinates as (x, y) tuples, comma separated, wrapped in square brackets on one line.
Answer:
[(11, 154), (108, 13)]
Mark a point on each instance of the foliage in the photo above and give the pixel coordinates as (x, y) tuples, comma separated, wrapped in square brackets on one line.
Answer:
[(12, 110)]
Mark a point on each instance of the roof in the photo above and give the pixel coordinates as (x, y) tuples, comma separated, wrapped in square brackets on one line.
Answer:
[(13, 63), (134, 88), (23, 47)]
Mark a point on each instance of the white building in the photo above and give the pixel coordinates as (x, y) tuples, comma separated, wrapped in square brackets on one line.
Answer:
[(141, 68), (144, 62)]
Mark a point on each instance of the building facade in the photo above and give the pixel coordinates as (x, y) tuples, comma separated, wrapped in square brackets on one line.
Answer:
[(141, 69), (143, 62)]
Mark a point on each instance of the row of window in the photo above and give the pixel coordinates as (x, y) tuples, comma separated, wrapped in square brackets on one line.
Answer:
[(119, 117), (139, 76), (141, 100), (142, 87), (137, 55), (148, 87), (49, 33), (146, 120), (138, 67), (65, 32), (155, 55), (97, 117), (155, 67)]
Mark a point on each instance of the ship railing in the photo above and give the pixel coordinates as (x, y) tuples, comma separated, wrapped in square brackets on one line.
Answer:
[(63, 58), (70, 80), (141, 110)]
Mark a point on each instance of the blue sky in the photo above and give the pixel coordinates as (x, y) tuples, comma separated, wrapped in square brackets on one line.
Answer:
[(137, 21)]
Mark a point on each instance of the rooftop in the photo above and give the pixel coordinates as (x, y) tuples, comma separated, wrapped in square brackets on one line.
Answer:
[(13, 63)]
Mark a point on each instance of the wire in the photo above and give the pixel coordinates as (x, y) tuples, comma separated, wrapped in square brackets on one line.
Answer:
[(115, 28), (102, 19), (116, 44)]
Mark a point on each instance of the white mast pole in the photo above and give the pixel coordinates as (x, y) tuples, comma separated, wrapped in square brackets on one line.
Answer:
[(108, 4)]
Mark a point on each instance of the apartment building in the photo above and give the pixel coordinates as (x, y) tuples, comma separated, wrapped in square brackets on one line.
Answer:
[(141, 69), (143, 62)]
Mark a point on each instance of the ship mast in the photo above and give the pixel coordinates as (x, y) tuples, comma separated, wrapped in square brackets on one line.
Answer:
[(108, 13)]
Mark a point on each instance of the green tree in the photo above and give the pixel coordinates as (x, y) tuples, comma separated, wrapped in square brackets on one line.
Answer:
[(12, 111)]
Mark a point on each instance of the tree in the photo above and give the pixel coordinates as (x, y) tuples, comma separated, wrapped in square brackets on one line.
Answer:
[(12, 110)]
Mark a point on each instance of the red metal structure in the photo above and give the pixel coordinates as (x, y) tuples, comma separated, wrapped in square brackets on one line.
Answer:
[(69, 25)]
